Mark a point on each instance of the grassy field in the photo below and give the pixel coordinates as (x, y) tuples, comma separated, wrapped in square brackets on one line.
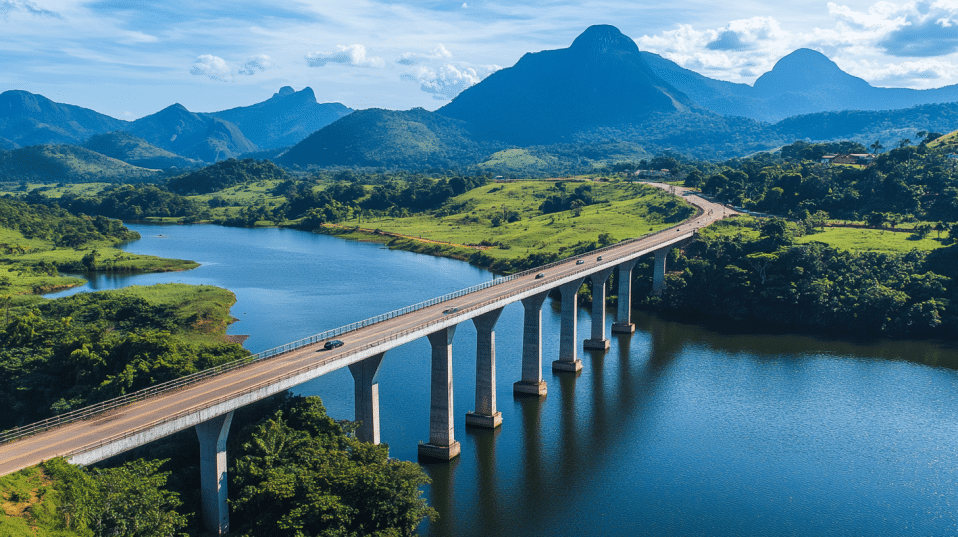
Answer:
[(23, 265), (872, 239), (623, 210), (245, 195)]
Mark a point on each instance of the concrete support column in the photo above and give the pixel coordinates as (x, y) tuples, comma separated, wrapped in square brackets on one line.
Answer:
[(213, 492), (623, 320), (598, 341), (366, 389), (442, 438), (658, 276), (485, 414), (567, 339), (531, 382)]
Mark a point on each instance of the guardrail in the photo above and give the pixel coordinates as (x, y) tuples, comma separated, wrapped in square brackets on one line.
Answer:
[(181, 382)]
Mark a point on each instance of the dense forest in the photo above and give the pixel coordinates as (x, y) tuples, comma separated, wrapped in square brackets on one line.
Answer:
[(906, 183), (90, 347), (773, 281)]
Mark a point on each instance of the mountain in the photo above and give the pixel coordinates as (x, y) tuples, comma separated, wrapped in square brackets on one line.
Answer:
[(414, 139), (67, 164), (601, 80), (803, 82), (867, 126), (136, 151), (180, 131), (284, 119), (28, 119)]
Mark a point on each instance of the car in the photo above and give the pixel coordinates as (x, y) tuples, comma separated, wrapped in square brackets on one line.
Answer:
[(599, 258), (580, 262), (450, 310), (540, 275), (333, 344)]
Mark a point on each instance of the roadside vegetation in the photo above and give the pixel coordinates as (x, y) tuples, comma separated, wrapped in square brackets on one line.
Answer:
[(295, 472)]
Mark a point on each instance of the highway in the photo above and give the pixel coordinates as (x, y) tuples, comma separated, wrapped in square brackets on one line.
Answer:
[(119, 429)]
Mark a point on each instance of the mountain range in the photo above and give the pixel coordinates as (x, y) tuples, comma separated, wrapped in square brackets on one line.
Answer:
[(580, 102)]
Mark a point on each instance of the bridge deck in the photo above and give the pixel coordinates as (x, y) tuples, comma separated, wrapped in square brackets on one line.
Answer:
[(120, 429)]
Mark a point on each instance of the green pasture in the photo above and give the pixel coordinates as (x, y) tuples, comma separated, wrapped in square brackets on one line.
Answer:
[(623, 210), (879, 240)]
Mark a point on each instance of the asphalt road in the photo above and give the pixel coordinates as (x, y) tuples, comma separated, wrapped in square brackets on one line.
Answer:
[(80, 437)]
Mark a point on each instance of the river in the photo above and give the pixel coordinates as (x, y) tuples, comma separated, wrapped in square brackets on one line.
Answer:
[(676, 430)]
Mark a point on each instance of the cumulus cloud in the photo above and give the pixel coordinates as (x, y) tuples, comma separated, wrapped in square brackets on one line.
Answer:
[(213, 67), (9, 6), (352, 55), (256, 64), (447, 80), (727, 40), (413, 58)]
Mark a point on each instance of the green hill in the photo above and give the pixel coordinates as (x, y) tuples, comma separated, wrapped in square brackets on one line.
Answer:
[(67, 164), (413, 139), (134, 150)]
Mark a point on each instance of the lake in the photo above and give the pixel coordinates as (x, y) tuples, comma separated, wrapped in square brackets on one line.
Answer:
[(677, 430)]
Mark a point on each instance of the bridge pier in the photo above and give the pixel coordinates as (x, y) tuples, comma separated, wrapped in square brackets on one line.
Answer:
[(531, 382), (658, 276), (213, 490), (366, 389), (623, 320), (598, 341), (442, 436), (485, 414), (567, 338)]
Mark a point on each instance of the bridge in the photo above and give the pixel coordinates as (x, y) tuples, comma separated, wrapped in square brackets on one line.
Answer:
[(206, 400)]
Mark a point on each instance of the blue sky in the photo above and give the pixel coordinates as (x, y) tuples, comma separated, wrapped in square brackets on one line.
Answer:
[(130, 58)]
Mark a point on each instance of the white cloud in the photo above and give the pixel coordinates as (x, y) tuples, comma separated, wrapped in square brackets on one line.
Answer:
[(413, 58), (256, 64), (212, 66), (447, 81), (352, 55)]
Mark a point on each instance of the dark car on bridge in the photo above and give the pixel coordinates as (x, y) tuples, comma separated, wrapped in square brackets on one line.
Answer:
[(333, 344)]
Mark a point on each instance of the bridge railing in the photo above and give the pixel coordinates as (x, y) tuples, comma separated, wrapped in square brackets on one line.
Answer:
[(181, 382)]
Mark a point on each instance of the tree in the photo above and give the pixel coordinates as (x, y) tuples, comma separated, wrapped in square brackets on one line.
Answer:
[(876, 219), (820, 218), (129, 500), (302, 473), (877, 147), (939, 227)]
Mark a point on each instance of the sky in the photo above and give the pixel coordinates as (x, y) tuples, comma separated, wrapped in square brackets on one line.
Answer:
[(131, 58)]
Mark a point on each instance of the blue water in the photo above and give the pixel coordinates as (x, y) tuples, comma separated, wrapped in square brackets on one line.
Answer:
[(676, 430)]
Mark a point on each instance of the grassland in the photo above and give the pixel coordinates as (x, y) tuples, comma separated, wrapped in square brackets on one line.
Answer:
[(252, 194), (201, 312), (622, 210), (878, 240), (25, 266)]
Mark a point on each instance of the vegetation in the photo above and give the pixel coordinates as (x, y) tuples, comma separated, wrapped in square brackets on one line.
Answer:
[(71, 352), (301, 473), (773, 280), (225, 174), (37, 242), (67, 164), (56, 499)]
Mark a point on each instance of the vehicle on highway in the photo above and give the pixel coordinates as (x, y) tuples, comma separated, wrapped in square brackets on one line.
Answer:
[(580, 262), (540, 275), (450, 310), (333, 344), (599, 258)]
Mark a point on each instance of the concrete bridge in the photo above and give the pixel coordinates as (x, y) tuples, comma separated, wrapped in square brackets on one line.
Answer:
[(207, 400)]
